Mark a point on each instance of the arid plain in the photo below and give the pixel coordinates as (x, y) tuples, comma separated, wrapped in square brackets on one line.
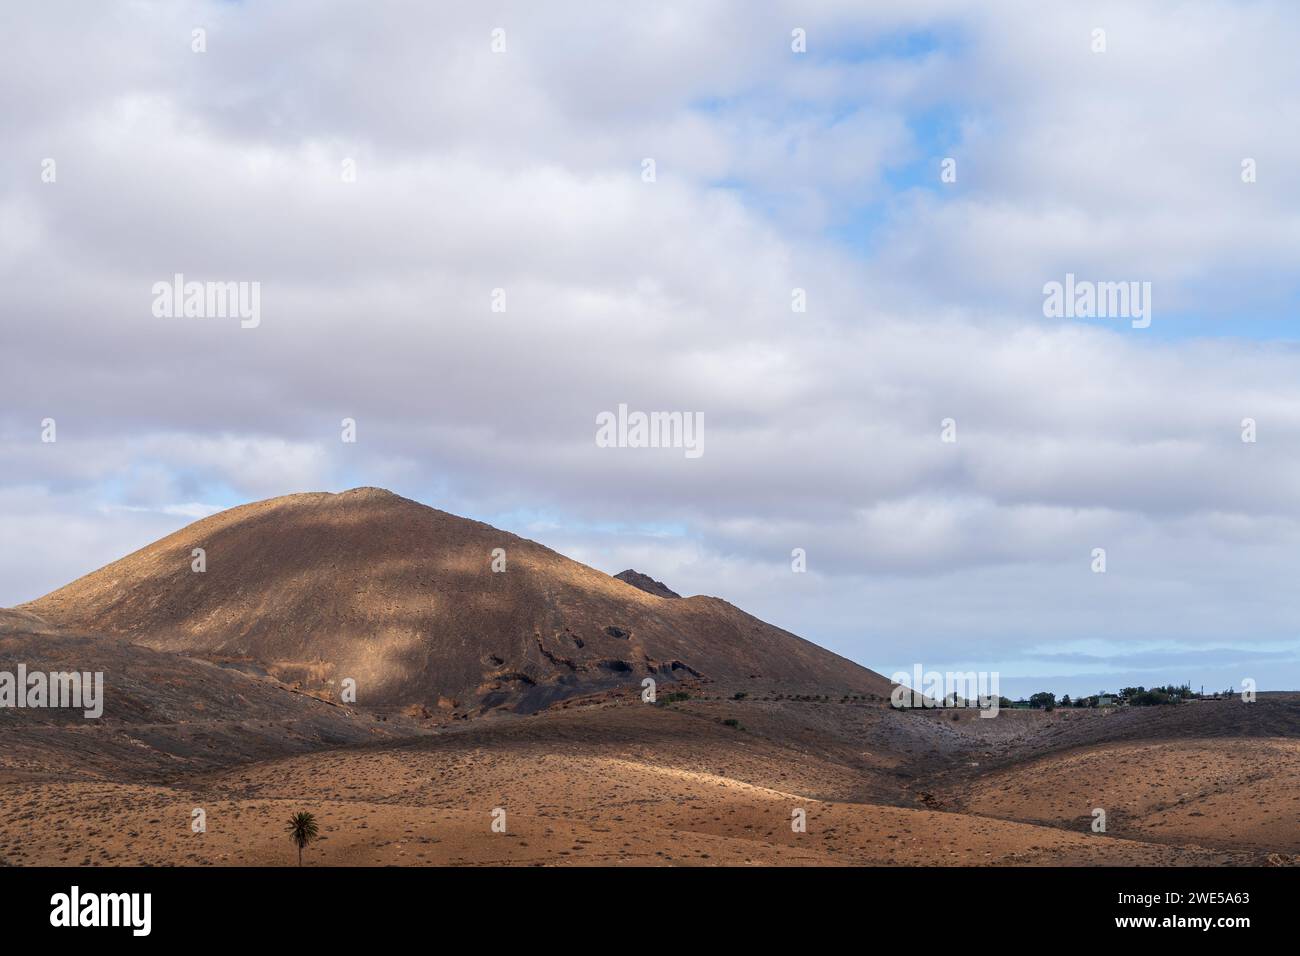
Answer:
[(497, 680)]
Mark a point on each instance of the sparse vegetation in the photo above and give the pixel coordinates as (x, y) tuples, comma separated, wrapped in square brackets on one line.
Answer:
[(302, 830), (1153, 697)]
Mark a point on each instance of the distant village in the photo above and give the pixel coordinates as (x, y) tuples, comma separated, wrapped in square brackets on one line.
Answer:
[(1127, 697), (1046, 700)]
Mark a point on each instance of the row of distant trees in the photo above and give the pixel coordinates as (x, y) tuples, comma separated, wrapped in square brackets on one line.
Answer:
[(1131, 696)]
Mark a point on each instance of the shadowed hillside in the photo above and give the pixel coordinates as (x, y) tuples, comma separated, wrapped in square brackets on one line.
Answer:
[(163, 714)]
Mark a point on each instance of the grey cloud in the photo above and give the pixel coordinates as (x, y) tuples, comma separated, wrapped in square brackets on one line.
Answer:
[(522, 172)]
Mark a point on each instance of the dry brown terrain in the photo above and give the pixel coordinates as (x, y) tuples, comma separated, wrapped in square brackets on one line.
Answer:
[(612, 780), (1243, 796), (221, 701)]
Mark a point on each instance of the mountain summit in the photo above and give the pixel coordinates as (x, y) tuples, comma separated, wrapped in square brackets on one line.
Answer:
[(420, 607), (646, 583)]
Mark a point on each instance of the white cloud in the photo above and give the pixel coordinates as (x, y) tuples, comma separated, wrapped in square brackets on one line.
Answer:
[(522, 171)]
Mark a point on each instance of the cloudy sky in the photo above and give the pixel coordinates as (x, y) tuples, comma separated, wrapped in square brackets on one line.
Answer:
[(523, 169)]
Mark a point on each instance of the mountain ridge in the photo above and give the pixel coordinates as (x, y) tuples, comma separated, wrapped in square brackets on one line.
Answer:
[(646, 583)]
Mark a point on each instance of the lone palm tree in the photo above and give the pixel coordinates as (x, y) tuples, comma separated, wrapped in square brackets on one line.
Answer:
[(302, 830)]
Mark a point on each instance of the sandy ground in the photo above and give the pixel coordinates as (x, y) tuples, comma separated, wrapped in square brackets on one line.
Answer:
[(613, 781), (1246, 795)]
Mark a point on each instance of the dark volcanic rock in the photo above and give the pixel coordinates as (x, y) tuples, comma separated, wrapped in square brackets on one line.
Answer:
[(646, 583)]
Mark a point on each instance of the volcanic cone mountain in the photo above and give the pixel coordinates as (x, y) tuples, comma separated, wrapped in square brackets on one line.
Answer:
[(404, 599)]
